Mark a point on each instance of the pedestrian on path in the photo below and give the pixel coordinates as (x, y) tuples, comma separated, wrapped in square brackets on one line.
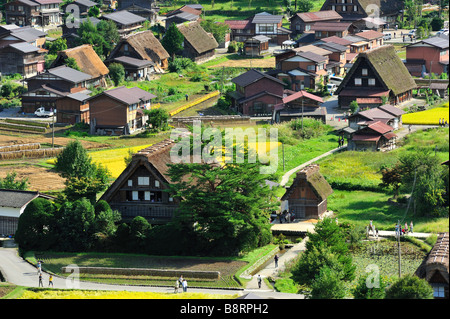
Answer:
[(50, 281), (411, 227), (276, 260), (177, 286), (259, 280), (184, 285), (40, 281)]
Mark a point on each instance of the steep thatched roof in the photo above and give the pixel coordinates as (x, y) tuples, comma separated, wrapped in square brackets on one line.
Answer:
[(314, 179), (198, 38), (87, 60), (388, 67), (146, 45)]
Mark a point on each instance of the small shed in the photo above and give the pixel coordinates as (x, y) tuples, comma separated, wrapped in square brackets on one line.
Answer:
[(257, 45), (307, 196)]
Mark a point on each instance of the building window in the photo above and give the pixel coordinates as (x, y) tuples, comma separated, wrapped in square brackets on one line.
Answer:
[(372, 82), (355, 8), (143, 180), (438, 292), (333, 8), (358, 81), (156, 183), (146, 195), (130, 182), (319, 34), (311, 67), (344, 8), (135, 195), (365, 71)]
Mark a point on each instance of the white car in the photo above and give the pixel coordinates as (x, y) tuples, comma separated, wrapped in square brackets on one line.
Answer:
[(387, 36), (412, 32), (41, 112), (331, 87)]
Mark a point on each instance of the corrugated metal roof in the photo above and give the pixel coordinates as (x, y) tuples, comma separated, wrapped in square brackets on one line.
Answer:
[(124, 17)]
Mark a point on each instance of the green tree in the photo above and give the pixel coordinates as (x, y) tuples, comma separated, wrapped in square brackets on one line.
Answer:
[(391, 178), (436, 24), (367, 289), (35, 224), (72, 63), (10, 182), (410, 287), (139, 230), (94, 12), (74, 161), (305, 5), (158, 119), (54, 47), (173, 40), (327, 285), (354, 107), (218, 29), (75, 224), (117, 73)]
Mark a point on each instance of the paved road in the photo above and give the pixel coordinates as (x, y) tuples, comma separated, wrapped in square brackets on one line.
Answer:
[(20, 272)]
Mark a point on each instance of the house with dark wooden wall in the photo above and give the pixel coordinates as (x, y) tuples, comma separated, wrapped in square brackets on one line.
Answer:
[(125, 21), (143, 47), (374, 136), (144, 8), (46, 88), (87, 60), (119, 111), (141, 188), (431, 55), (377, 77), (256, 93), (73, 108), (302, 22), (307, 196), (33, 12), (22, 58), (199, 45)]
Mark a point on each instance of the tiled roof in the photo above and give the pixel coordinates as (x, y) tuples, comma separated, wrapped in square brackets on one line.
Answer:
[(319, 16)]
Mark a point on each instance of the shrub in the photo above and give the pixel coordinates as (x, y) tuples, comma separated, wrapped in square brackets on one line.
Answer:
[(410, 287)]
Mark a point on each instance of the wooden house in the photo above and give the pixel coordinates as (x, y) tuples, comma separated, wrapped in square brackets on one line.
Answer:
[(356, 10), (374, 38), (307, 196), (33, 13), (119, 111), (144, 47), (12, 205), (46, 88), (73, 108), (141, 188), (22, 58), (256, 46), (184, 14), (329, 29), (374, 136), (337, 59), (435, 268), (256, 93), (11, 33), (83, 6), (432, 55), (302, 22), (87, 60), (199, 45), (144, 8), (387, 114), (377, 77), (297, 105), (125, 21)]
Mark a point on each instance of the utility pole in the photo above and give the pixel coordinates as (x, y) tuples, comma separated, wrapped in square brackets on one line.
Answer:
[(302, 113), (399, 250), (282, 151)]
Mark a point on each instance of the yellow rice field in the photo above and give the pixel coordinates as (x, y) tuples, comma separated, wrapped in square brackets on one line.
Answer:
[(89, 294), (428, 117), (113, 160)]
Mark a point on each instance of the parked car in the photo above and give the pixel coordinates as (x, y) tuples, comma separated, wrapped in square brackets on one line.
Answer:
[(412, 32), (41, 112), (335, 80), (387, 36), (331, 87), (442, 31)]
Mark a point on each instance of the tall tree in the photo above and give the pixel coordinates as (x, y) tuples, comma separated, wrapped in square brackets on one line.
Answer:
[(173, 40), (10, 182)]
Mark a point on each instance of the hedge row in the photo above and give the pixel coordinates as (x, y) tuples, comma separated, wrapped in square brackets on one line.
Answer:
[(35, 153), (20, 147), (215, 275)]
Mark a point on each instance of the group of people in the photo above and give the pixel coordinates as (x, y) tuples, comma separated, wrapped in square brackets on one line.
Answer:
[(443, 122), (181, 283), (50, 278), (399, 230), (286, 216), (371, 227)]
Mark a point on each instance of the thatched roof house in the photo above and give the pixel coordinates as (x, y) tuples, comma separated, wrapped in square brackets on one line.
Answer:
[(307, 196), (377, 73), (199, 45), (87, 60), (140, 189), (142, 46), (435, 267)]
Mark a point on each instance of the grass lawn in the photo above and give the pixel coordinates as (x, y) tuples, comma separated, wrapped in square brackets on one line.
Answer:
[(359, 207)]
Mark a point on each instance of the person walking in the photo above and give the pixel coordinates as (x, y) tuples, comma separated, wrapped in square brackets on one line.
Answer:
[(276, 260), (259, 280), (411, 227), (184, 285), (177, 286), (40, 281), (50, 281)]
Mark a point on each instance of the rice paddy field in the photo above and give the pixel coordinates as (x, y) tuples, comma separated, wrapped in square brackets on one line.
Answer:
[(428, 117)]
